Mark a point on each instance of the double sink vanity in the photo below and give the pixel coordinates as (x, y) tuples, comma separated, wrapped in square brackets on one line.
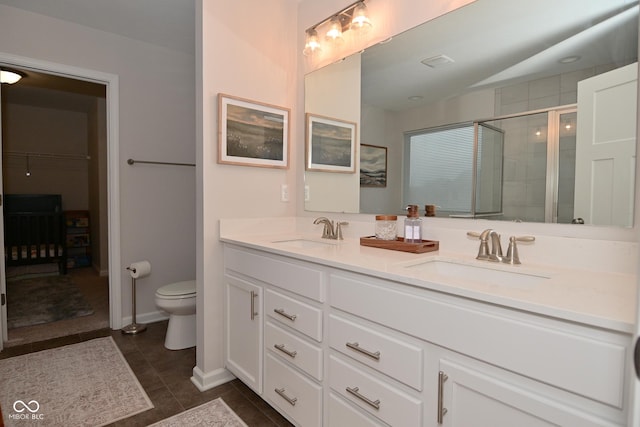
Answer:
[(333, 333)]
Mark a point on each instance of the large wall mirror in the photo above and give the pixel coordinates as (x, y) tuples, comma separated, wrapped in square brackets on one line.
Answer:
[(496, 110)]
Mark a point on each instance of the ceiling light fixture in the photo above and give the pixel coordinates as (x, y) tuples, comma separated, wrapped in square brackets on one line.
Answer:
[(354, 17), (569, 59), (10, 76)]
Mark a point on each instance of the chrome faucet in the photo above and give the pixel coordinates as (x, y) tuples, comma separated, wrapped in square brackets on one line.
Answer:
[(329, 232), (496, 248), (512, 253)]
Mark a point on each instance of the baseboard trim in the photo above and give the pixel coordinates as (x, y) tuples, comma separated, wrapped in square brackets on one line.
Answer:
[(152, 317), (206, 381)]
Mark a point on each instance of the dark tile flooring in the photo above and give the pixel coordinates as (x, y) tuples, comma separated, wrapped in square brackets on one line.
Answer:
[(165, 376)]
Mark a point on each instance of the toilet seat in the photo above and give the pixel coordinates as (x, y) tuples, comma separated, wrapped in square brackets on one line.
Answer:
[(186, 289)]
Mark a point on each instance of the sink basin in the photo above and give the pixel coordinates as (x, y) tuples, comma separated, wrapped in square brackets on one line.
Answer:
[(304, 243), (479, 274)]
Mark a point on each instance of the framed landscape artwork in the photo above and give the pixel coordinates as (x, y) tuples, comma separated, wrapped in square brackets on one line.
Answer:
[(373, 166), (331, 144), (252, 133)]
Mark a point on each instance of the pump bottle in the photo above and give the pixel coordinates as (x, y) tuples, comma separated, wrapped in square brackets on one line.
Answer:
[(412, 225)]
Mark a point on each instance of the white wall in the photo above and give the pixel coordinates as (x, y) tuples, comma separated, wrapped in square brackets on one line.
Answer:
[(38, 129), (156, 111), (335, 92), (248, 55)]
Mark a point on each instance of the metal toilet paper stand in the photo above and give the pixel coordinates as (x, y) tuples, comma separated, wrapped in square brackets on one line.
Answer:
[(134, 327)]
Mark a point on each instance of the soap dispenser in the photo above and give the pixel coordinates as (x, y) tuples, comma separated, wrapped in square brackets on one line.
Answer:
[(412, 225)]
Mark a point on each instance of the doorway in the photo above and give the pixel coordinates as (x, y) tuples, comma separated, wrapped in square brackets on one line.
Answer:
[(107, 173)]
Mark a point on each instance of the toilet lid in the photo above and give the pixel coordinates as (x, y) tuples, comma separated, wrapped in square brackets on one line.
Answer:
[(179, 288)]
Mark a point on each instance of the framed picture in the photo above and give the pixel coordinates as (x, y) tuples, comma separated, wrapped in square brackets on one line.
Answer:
[(252, 133), (331, 145), (373, 166)]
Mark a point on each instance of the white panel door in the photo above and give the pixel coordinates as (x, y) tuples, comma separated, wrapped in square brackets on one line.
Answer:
[(606, 147)]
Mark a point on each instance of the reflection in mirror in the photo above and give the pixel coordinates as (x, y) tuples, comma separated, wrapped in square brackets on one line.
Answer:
[(525, 82)]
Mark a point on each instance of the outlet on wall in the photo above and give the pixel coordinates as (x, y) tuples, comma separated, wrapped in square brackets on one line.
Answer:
[(284, 193)]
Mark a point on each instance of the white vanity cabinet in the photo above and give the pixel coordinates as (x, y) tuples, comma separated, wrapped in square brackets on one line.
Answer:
[(332, 347), (290, 313), (487, 365), (475, 394)]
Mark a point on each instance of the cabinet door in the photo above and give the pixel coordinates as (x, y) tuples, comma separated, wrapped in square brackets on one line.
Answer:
[(243, 334), (471, 397)]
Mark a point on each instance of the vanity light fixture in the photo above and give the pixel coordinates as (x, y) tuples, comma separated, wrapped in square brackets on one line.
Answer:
[(360, 20), (9, 76), (334, 33), (354, 17), (312, 44)]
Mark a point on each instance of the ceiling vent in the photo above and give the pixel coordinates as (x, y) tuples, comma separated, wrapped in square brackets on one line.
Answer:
[(437, 61)]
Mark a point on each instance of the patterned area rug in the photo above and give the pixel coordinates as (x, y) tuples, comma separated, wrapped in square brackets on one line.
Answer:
[(38, 300), (215, 413), (85, 384)]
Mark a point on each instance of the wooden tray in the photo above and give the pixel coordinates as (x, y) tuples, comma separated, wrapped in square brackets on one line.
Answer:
[(400, 245)]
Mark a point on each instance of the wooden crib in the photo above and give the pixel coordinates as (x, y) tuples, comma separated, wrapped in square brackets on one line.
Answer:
[(34, 230)]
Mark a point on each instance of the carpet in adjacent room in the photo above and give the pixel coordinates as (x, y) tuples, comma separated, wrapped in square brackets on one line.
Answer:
[(39, 300)]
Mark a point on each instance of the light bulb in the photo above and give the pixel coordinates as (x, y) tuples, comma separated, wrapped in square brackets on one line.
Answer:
[(334, 33), (9, 77), (360, 20), (312, 45)]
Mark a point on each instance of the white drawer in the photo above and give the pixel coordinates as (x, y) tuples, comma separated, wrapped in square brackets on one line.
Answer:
[(342, 413), (293, 276), (295, 350), (292, 393), (558, 353), (295, 314), (389, 355), (393, 406)]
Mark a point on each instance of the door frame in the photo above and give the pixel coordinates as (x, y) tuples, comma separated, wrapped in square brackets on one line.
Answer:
[(111, 81)]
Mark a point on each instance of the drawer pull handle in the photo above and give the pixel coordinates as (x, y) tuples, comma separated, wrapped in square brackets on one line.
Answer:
[(356, 392), (355, 346), (254, 294), (289, 353), (292, 400), (442, 377), (282, 313)]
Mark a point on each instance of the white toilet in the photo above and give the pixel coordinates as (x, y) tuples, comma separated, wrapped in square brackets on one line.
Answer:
[(179, 300)]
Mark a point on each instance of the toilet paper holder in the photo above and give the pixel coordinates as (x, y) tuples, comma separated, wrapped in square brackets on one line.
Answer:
[(134, 327)]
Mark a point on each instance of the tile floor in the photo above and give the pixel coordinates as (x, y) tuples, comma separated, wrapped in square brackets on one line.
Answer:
[(165, 376)]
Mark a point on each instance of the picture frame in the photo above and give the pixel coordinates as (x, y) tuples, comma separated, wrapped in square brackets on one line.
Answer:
[(252, 133), (330, 144), (373, 166)]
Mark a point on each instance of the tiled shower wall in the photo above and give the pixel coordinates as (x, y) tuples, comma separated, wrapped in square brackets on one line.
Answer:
[(526, 152)]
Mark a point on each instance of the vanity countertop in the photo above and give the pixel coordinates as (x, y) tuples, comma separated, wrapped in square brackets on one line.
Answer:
[(598, 299)]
